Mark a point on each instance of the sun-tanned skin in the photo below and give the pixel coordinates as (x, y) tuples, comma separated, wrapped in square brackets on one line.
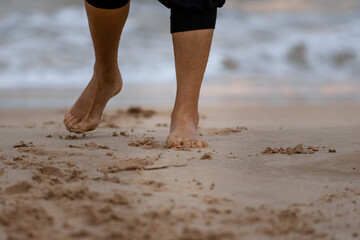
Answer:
[(106, 27), (191, 50)]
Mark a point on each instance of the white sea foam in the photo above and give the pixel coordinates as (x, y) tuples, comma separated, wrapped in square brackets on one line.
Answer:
[(53, 48)]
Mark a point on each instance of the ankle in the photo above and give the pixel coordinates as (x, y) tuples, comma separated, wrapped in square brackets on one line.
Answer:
[(185, 116), (106, 70), (108, 76)]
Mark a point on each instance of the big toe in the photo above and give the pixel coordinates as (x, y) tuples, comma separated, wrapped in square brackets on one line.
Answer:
[(76, 128), (70, 120), (172, 142), (83, 126), (67, 118), (72, 123)]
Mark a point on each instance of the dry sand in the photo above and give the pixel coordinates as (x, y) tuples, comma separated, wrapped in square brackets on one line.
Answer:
[(254, 181)]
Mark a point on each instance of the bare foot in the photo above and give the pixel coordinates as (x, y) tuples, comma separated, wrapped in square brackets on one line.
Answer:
[(86, 113), (183, 132)]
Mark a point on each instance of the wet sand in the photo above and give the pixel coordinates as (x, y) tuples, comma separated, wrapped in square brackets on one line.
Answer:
[(254, 181)]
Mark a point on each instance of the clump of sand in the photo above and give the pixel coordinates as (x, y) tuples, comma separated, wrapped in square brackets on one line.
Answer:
[(77, 193), (298, 149), (89, 145), (146, 143), (23, 144), (206, 156), (129, 164), (139, 112)]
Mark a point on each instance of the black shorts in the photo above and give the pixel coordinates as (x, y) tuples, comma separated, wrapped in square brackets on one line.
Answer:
[(186, 15)]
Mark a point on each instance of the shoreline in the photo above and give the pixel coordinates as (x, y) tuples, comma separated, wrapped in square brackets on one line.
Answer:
[(247, 91)]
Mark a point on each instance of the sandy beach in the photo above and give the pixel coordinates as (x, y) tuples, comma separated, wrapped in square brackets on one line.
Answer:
[(254, 181), (279, 108)]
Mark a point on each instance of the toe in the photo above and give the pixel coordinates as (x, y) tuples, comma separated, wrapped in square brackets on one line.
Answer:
[(199, 144), (89, 127), (186, 142), (172, 142), (73, 121), (193, 143), (67, 118), (77, 128), (83, 126)]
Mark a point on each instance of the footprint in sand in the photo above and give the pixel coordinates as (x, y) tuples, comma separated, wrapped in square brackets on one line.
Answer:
[(53, 171), (226, 131), (146, 143), (17, 188)]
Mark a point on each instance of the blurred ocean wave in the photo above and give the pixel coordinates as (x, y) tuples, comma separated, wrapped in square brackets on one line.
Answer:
[(47, 43)]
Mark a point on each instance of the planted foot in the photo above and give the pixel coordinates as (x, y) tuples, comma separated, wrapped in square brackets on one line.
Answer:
[(183, 132)]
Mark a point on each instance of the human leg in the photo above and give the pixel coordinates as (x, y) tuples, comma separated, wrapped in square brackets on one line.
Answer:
[(192, 32), (106, 25), (191, 49)]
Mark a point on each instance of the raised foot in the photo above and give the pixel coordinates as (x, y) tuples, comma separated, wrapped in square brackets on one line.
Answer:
[(86, 113)]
